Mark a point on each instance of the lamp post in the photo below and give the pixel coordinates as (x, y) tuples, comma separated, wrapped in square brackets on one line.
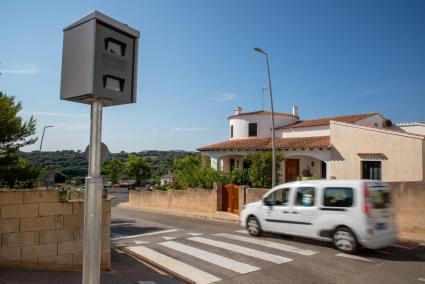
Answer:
[(42, 137), (257, 49)]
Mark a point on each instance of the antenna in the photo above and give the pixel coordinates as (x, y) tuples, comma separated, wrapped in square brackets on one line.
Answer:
[(262, 97)]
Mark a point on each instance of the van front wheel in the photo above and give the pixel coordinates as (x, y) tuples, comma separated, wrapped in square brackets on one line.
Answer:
[(345, 240), (253, 227)]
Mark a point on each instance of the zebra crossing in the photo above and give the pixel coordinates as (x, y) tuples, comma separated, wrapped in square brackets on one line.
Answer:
[(209, 258)]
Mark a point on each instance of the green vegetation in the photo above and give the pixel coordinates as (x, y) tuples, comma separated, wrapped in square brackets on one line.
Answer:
[(113, 169), (138, 168), (260, 171), (15, 171), (188, 172)]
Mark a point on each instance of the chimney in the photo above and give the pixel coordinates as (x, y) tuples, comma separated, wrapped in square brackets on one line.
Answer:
[(238, 110), (295, 110)]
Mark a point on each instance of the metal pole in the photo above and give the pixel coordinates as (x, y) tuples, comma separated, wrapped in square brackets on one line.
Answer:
[(42, 137), (93, 201), (272, 117)]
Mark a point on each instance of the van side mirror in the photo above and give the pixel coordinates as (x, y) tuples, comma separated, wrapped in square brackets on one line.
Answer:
[(266, 202)]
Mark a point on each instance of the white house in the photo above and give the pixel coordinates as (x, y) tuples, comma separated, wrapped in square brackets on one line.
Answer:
[(351, 146)]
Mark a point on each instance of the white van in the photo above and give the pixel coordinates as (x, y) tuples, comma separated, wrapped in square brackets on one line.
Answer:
[(348, 212)]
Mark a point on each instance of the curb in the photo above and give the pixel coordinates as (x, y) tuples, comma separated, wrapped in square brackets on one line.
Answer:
[(158, 266), (177, 213)]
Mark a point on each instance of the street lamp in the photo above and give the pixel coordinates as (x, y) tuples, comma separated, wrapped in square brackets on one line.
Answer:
[(42, 137), (257, 49)]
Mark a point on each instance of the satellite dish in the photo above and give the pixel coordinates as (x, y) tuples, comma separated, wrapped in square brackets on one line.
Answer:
[(104, 153)]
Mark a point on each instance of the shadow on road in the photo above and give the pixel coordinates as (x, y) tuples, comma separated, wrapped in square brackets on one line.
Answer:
[(405, 252)]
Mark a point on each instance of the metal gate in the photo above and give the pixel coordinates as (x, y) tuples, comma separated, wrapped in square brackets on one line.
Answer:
[(231, 198)]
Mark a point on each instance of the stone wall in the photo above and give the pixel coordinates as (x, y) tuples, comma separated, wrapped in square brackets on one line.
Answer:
[(194, 199), (38, 231)]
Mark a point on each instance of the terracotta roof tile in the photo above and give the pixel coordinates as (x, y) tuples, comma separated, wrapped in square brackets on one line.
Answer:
[(265, 144), (261, 112), (325, 121)]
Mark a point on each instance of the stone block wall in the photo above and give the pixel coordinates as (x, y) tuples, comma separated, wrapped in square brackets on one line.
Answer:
[(38, 231), (194, 199)]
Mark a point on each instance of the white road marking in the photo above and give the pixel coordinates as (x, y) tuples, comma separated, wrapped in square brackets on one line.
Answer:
[(242, 232), (243, 250), (140, 242), (145, 234), (269, 244), (195, 234), (213, 258), (185, 270), (169, 238), (421, 279), (356, 257)]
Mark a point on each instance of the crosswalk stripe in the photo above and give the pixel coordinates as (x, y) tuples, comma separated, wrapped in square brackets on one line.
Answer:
[(243, 250), (213, 258), (242, 231), (356, 257), (184, 270), (195, 234), (143, 235), (274, 245)]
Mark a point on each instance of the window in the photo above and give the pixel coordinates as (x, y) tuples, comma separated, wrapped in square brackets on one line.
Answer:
[(114, 46), (252, 129), (278, 197), (379, 197), (371, 170), (338, 197), (305, 196), (231, 131)]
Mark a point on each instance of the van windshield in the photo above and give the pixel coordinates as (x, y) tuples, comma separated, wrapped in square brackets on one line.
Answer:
[(380, 197)]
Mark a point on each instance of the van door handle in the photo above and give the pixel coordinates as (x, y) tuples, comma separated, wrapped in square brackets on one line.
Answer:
[(285, 211), (294, 212)]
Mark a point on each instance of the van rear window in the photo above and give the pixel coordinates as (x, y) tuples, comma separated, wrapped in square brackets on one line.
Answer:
[(380, 197), (338, 197)]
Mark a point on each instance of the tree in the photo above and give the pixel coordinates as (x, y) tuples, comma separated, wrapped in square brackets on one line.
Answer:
[(260, 171), (14, 133), (113, 169), (17, 172), (137, 168)]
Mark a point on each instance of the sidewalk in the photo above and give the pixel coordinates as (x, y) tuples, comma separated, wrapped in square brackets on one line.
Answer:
[(125, 270), (217, 216)]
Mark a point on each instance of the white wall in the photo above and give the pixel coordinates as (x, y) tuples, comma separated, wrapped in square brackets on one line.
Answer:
[(304, 132), (413, 128), (240, 125), (376, 120)]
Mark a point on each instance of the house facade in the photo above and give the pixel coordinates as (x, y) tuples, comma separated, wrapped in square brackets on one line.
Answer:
[(343, 147)]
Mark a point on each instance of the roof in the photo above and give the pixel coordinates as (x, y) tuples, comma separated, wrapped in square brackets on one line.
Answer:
[(96, 15), (387, 130), (266, 144), (325, 121), (262, 112)]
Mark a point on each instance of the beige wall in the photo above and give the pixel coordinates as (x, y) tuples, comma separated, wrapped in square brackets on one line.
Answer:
[(193, 199), (38, 231), (408, 201), (405, 155)]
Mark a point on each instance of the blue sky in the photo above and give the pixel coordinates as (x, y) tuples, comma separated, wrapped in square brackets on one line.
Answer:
[(197, 63)]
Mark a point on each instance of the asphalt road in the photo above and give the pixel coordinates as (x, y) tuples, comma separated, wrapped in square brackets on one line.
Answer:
[(209, 251)]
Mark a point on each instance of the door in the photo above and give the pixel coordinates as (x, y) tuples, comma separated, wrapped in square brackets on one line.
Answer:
[(292, 169), (276, 213), (230, 198), (304, 212)]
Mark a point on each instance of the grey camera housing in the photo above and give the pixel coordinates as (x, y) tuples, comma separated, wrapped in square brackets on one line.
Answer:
[(99, 61)]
